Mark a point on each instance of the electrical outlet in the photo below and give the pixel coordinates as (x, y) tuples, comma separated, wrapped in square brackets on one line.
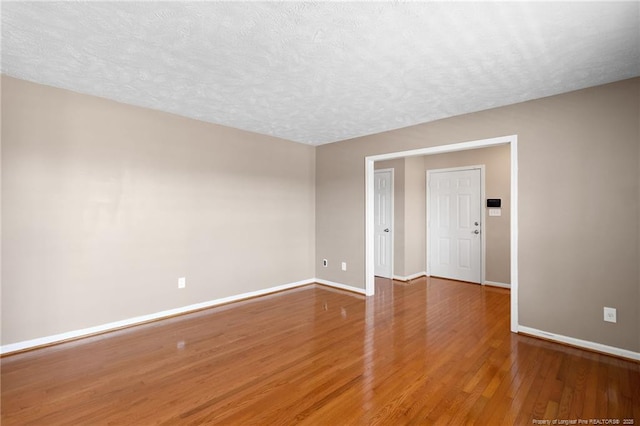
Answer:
[(182, 282), (325, 263), (344, 266), (610, 314)]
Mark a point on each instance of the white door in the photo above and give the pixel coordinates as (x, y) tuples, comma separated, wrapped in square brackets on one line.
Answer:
[(454, 227), (383, 229)]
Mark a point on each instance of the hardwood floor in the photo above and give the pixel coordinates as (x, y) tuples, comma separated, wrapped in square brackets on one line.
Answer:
[(429, 352)]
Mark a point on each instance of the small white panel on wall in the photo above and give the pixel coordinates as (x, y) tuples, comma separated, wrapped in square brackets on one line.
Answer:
[(495, 212)]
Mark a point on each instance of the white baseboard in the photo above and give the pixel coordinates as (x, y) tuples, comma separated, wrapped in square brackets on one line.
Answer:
[(410, 277), (496, 284), (340, 286), (598, 347), (56, 338)]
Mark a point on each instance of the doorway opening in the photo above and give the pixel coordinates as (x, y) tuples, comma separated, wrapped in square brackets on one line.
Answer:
[(512, 141)]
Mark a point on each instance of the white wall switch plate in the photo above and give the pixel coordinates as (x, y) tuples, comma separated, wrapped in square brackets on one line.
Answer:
[(610, 315), (182, 282), (495, 212), (344, 266)]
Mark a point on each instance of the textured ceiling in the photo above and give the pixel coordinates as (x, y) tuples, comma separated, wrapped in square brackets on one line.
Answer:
[(320, 72)]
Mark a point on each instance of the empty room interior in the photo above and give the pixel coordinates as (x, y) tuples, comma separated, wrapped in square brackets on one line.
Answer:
[(320, 213)]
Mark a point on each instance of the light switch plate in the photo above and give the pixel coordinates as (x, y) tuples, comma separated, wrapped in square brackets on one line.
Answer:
[(495, 212), (610, 314)]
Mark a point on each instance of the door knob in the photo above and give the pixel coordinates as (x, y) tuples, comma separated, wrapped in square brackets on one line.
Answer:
[(386, 230), (476, 232)]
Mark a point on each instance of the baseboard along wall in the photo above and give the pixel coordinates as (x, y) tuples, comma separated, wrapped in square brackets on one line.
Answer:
[(579, 343), (104, 328), (410, 277), (340, 286), (112, 326), (496, 284)]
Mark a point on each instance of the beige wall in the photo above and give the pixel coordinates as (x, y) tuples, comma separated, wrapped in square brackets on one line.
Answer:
[(578, 205), (105, 205), (414, 217)]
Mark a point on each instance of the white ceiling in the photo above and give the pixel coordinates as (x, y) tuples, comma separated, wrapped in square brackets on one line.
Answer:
[(320, 72)]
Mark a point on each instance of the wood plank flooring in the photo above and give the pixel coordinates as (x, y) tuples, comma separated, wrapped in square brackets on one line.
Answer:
[(429, 352)]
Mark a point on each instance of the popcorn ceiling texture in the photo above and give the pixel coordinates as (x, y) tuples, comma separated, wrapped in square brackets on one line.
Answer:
[(320, 72)]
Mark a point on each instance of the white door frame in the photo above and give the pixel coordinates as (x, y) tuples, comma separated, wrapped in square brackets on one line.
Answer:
[(393, 220), (482, 214), (512, 141)]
